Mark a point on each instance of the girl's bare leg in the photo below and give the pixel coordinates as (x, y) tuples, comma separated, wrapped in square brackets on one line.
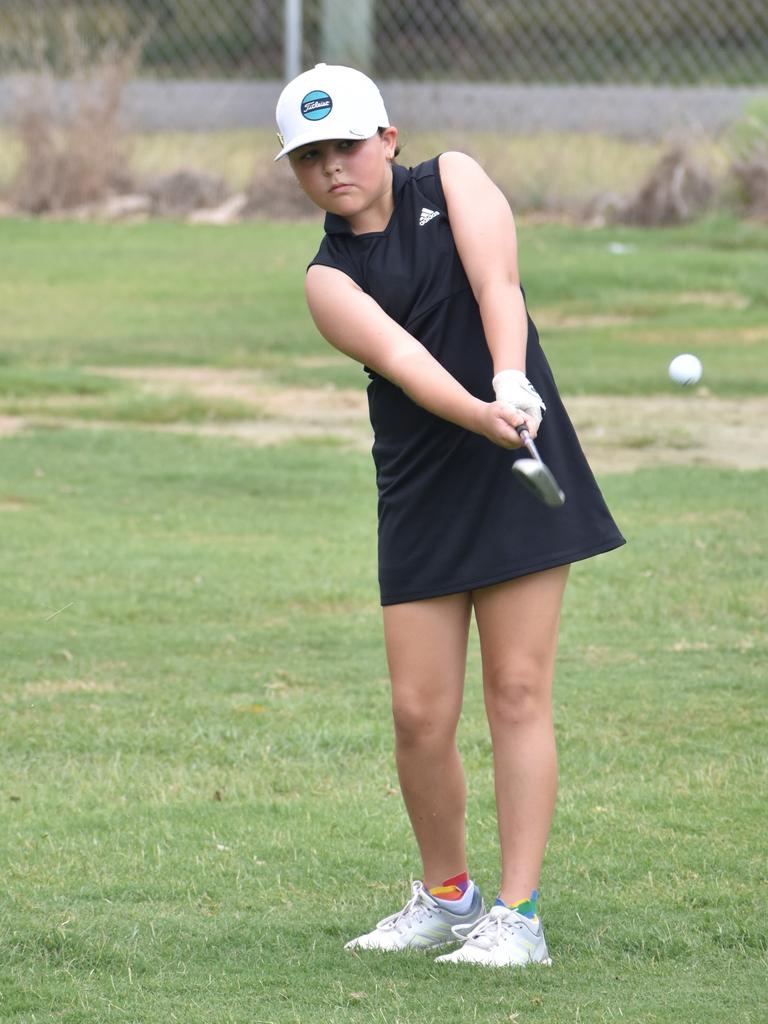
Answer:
[(427, 650), (518, 626)]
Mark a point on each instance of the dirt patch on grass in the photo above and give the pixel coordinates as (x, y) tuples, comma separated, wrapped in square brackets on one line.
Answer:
[(621, 434), (618, 433), (10, 425), (200, 381), (548, 319), (52, 688)]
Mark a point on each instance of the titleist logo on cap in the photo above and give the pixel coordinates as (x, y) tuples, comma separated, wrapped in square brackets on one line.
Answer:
[(316, 105)]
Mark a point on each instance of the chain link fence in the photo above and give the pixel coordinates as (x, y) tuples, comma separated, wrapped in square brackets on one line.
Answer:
[(627, 68), (675, 42), (221, 61)]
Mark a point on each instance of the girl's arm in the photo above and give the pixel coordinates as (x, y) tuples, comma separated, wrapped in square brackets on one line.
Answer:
[(484, 231), (354, 323)]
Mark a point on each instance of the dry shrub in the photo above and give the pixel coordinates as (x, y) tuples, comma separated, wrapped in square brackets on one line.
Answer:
[(75, 152), (677, 190), (751, 177), (275, 193), (183, 191)]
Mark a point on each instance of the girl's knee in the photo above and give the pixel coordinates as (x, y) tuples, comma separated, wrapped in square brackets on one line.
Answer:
[(419, 723), (517, 695)]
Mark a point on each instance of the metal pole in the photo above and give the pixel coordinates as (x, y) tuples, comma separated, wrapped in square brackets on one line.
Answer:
[(347, 33), (292, 39)]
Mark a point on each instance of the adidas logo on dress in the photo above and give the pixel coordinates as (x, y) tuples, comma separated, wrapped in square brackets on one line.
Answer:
[(427, 215)]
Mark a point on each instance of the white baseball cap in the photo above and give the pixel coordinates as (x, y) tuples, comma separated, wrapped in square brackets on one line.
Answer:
[(328, 102)]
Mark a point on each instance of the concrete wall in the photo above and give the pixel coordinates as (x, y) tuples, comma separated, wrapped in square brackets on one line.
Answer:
[(630, 111)]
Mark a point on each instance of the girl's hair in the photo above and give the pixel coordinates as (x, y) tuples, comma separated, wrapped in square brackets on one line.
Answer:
[(397, 147)]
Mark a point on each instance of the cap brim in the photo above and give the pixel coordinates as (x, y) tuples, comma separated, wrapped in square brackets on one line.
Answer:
[(318, 135)]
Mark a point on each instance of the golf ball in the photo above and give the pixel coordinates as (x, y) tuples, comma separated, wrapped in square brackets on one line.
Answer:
[(685, 369)]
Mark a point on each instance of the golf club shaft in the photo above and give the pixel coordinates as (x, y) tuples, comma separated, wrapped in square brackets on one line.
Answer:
[(527, 440)]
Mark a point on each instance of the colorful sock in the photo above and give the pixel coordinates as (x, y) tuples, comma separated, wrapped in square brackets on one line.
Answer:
[(528, 908), (456, 894), (452, 888)]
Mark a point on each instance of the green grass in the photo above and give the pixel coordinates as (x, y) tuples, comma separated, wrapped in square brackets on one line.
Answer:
[(198, 781), (166, 293), (68, 394), (138, 408), (199, 801)]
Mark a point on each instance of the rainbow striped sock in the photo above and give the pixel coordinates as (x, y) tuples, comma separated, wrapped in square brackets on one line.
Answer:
[(452, 888), (528, 908)]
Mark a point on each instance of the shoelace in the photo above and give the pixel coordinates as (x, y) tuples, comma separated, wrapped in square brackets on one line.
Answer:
[(488, 930), (417, 907)]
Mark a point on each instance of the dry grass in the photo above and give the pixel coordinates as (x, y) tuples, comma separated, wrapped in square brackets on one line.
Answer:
[(751, 176), (578, 176), (545, 173), (678, 189), (74, 152)]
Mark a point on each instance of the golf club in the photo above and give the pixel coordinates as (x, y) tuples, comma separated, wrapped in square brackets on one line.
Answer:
[(535, 475)]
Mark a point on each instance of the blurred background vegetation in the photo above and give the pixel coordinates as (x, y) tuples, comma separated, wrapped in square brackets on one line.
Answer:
[(82, 81)]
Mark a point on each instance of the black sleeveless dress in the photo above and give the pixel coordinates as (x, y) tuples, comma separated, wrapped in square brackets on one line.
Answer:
[(452, 517)]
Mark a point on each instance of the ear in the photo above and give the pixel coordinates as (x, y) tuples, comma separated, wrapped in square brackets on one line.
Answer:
[(389, 138)]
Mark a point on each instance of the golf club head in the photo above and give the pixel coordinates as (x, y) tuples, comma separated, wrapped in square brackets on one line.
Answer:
[(538, 479)]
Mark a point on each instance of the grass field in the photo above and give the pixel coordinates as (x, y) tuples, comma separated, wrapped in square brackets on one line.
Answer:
[(199, 801)]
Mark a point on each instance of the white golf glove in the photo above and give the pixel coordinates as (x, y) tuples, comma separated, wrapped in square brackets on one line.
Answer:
[(512, 387)]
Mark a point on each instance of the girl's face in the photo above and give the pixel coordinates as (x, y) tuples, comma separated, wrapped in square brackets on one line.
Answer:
[(349, 177)]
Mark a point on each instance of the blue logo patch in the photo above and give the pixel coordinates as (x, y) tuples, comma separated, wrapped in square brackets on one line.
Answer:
[(316, 105)]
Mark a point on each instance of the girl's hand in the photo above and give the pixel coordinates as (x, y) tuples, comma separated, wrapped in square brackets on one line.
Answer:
[(498, 421), (514, 388)]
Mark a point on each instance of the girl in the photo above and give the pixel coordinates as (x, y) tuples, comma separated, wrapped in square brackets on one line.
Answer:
[(417, 279)]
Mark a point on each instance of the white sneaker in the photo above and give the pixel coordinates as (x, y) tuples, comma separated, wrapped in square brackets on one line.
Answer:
[(423, 923), (503, 938)]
